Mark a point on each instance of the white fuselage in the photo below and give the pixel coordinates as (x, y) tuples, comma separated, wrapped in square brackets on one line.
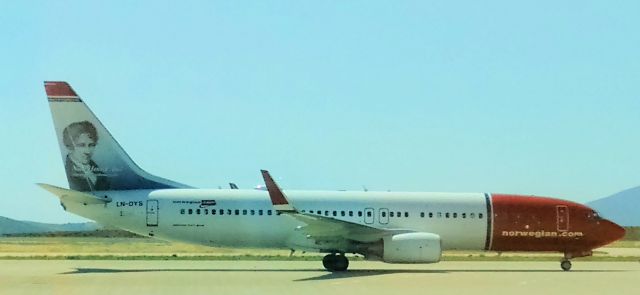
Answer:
[(246, 218)]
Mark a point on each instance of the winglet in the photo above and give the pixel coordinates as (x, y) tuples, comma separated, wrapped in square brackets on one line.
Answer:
[(278, 198)]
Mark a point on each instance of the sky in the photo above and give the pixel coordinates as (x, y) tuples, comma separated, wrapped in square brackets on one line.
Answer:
[(538, 98)]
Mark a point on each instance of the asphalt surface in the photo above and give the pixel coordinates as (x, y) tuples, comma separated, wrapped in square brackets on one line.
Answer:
[(308, 277)]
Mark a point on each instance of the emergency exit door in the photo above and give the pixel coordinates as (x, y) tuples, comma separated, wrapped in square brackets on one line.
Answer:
[(384, 215), (368, 215), (152, 212)]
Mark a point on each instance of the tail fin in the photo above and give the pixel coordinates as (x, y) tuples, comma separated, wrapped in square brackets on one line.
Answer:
[(93, 159)]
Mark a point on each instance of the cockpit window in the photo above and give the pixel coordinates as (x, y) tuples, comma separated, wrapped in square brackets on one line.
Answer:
[(594, 215)]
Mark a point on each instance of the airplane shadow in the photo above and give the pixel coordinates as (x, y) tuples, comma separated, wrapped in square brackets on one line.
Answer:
[(326, 275), (364, 273), (113, 270)]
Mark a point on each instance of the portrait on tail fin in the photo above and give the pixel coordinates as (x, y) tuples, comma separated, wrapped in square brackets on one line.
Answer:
[(80, 139)]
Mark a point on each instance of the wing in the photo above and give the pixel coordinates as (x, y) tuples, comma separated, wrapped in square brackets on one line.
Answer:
[(327, 228), (323, 227)]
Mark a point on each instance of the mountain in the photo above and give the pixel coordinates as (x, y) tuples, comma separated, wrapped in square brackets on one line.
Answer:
[(11, 226), (622, 208)]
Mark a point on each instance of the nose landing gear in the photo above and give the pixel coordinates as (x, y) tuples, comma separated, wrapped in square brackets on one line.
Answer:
[(335, 262), (565, 264)]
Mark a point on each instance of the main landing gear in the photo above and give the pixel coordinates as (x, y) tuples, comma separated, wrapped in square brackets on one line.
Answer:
[(335, 262)]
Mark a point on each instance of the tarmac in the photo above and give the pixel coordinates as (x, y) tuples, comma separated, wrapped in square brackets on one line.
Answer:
[(84, 277)]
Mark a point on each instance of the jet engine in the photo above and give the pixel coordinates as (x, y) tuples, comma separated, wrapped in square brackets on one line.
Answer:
[(412, 248)]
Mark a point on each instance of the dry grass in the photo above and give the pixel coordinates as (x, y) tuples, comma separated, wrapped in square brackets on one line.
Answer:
[(625, 244), (113, 246)]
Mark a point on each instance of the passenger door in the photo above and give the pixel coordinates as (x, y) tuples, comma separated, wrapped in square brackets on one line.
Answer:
[(563, 217)]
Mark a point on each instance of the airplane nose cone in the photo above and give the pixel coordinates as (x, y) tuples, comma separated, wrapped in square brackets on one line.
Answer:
[(612, 232)]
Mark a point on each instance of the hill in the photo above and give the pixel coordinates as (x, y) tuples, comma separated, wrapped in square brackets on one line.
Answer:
[(11, 226), (622, 208)]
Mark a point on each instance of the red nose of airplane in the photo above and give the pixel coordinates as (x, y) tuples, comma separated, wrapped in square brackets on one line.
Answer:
[(611, 232)]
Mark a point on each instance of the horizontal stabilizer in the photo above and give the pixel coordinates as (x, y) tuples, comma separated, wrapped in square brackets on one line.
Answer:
[(74, 196)]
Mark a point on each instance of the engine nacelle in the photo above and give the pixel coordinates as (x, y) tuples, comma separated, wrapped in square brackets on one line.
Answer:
[(412, 248)]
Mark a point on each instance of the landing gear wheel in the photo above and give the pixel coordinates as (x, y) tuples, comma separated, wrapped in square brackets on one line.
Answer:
[(566, 265), (335, 262)]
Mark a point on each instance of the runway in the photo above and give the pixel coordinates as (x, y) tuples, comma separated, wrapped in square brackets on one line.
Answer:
[(70, 277)]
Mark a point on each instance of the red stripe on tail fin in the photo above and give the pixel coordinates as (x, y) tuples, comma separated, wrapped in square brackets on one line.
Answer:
[(59, 89)]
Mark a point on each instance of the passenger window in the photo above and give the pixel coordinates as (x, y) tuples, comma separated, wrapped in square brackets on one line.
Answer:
[(422, 214), (335, 213), (181, 211), (229, 212), (342, 213), (472, 215), (221, 211), (359, 213), (480, 215), (190, 211), (430, 214), (391, 214), (268, 212), (253, 212), (439, 215), (455, 215), (399, 214), (260, 212), (206, 211), (406, 214), (237, 212), (351, 213), (244, 212), (464, 215), (384, 214), (369, 214), (213, 211), (198, 211), (303, 211), (326, 213), (446, 215)]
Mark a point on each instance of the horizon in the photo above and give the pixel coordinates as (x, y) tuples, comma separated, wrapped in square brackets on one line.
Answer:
[(494, 97)]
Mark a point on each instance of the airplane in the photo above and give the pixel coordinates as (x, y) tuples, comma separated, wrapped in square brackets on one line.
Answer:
[(105, 185)]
